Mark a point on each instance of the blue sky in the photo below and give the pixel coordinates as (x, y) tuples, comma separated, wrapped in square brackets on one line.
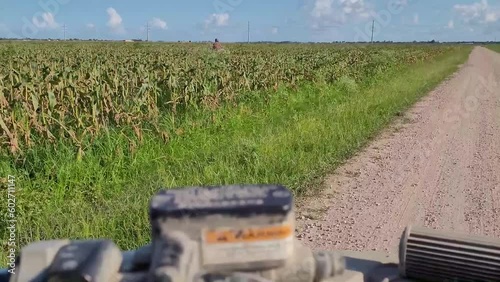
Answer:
[(275, 20)]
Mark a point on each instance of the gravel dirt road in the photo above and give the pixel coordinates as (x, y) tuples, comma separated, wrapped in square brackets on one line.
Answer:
[(439, 167)]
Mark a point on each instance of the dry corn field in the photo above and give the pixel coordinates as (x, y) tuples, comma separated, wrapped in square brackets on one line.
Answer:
[(50, 91)]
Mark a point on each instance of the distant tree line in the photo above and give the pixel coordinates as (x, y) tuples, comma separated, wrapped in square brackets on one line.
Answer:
[(267, 42)]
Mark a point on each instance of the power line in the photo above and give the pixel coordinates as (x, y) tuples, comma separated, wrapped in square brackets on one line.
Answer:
[(64, 31), (248, 31)]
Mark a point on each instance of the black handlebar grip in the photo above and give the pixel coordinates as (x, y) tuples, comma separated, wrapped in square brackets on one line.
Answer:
[(4, 275)]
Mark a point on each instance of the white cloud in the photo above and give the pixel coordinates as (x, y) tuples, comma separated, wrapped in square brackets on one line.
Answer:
[(451, 24), (416, 19), (492, 17), (274, 30), (90, 25), (478, 13), (159, 23), (115, 21), (217, 20), (322, 8), (355, 8), (326, 13), (46, 22)]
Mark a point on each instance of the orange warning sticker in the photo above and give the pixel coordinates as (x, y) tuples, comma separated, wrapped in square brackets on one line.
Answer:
[(248, 235)]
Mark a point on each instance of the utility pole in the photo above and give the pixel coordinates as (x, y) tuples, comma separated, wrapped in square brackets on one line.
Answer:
[(147, 32), (248, 31), (373, 27), (64, 31)]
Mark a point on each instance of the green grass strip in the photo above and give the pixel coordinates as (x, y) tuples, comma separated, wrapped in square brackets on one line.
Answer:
[(494, 47)]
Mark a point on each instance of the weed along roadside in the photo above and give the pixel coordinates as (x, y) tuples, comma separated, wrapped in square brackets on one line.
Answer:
[(494, 47), (292, 137)]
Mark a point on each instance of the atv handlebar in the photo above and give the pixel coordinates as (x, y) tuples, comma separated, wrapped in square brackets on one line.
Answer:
[(246, 233)]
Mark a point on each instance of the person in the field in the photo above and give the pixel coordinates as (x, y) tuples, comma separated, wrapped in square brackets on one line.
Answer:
[(217, 46)]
